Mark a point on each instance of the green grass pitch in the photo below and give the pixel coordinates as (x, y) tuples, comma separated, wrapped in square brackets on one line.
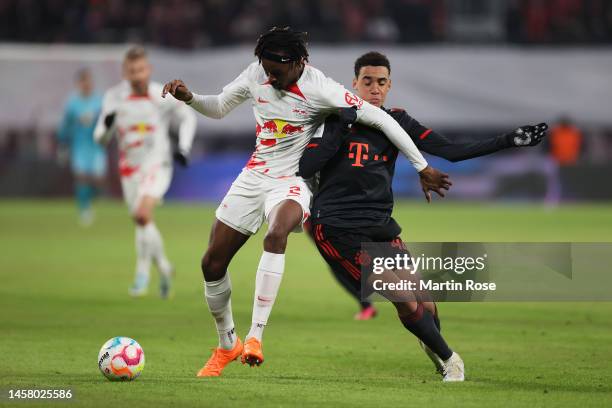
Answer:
[(63, 292)]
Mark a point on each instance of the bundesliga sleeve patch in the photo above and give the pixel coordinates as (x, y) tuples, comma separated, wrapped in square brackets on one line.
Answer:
[(353, 100)]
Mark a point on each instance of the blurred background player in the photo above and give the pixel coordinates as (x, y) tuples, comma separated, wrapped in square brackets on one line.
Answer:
[(565, 146), (87, 158), (289, 99), (372, 81), (134, 111), (354, 199)]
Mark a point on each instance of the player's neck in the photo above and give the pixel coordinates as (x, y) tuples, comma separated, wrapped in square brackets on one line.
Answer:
[(140, 91), (300, 74), (297, 77)]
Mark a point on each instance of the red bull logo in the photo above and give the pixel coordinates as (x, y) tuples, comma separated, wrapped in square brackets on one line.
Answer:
[(141, 128), (278, 128)]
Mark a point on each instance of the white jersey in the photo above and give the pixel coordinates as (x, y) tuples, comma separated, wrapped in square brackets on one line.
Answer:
[(287, 119), (141, 125)]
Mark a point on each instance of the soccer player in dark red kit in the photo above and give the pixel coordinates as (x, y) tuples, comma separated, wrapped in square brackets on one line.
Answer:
[(354, 199)]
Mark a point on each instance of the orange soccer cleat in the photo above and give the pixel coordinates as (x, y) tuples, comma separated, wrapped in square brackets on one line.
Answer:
[(252, 353), (219, 359)]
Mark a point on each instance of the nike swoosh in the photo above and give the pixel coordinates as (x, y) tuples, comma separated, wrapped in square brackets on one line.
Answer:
[(262, 100)]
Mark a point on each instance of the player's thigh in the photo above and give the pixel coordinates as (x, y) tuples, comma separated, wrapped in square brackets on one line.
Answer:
[(342, 252), (242, 208), (129, 188), (281, 199), (153, 183), (285, 217), (80, 163)]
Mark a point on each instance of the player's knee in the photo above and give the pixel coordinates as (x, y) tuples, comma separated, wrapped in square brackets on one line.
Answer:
[(275, 239), (142, 219), (213, 267), (142, 216)]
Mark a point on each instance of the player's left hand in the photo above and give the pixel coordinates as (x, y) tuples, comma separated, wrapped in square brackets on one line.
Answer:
[(181, 158), (527, 135), (433, 180), (63, 155)]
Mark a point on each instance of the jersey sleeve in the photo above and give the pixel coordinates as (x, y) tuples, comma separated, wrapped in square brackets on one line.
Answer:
[(102, 134), (232, 95), (330, 95), (446, 147), (323, 145)]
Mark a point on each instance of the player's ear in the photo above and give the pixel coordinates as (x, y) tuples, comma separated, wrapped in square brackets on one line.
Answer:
[(301, 63), (389, 82), (355, 83)]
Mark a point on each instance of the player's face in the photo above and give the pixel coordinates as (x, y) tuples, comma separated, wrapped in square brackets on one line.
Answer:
[(373, 84), (85, 84), (280, 75), (137, 72)]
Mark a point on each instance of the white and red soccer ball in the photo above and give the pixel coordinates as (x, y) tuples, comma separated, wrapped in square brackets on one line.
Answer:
[(121, 359)]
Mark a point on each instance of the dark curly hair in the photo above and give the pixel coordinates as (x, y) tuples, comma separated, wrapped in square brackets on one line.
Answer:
[(285, 40)]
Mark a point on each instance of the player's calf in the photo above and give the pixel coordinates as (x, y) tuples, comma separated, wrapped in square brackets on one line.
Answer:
[(420, 322)]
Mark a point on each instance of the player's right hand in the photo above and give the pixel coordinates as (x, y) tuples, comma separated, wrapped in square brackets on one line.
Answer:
[(109, 119), (433, 180), (527, 135), (178, 89)]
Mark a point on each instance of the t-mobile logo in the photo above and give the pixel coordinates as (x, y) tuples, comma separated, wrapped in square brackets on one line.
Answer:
[(361, 153)]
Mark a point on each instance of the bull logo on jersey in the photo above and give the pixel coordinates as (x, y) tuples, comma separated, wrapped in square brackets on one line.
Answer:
[(278, 128), (141, 128)]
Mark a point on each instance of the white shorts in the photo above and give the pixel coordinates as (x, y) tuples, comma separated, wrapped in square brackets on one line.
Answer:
[(252, 196), (153, 182)]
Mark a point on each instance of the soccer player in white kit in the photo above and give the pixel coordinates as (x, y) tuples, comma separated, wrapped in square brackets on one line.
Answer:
[(136, 113), (290, 100)]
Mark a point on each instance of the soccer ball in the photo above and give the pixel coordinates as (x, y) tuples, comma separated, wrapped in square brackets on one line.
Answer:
[(121, 359)]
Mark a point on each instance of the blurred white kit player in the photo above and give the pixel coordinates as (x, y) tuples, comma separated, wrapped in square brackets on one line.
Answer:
[(135, 113)]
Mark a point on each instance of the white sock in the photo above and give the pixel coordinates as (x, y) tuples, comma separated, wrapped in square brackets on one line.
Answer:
[(267, 283), (218, 297), (143, 258), (155, 246)]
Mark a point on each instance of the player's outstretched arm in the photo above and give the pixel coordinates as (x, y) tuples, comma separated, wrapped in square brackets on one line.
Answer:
[(212, 106), (455, 150)]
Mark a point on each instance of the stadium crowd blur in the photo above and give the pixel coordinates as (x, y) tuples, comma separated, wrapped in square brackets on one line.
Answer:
[(201, 23), (575, 151)]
